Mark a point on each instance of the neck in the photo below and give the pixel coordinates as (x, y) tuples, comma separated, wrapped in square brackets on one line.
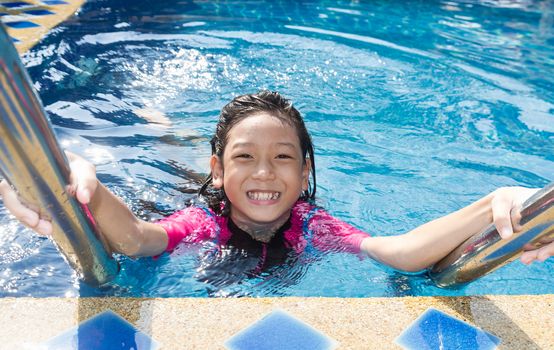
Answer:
[(262, 232)]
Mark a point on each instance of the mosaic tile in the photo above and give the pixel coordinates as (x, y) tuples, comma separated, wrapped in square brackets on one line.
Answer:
[(104, 331), (39, 12), (15, 4), (21, 24), (54, 2), (279, 331), (436, 330)]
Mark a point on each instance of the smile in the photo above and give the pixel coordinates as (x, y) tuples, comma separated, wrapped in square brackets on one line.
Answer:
[(263, 196)]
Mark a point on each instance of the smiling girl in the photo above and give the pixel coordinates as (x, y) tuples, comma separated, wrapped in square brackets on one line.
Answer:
[(260, 197)]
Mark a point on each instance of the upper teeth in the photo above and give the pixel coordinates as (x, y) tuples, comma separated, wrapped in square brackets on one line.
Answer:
[(263, 196)]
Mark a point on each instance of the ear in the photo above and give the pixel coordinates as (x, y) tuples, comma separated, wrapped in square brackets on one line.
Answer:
[(306, 168), (217, 172)]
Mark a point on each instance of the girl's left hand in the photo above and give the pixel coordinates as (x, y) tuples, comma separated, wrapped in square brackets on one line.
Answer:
[(506, 210)]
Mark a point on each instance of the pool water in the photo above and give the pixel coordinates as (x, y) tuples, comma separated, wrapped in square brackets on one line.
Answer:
[(416, 108)]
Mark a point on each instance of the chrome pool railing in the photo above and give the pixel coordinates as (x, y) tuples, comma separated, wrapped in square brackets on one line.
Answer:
[(487, 251), (32, 161)]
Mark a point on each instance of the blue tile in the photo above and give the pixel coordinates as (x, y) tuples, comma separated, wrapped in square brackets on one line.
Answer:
[(280, 331), (105, 331), (21, 24), (436, 330), (39, 12), (54, 2), (16, 4)]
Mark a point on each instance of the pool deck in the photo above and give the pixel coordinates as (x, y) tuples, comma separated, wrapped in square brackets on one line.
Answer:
[(522, 322), (28, 21)]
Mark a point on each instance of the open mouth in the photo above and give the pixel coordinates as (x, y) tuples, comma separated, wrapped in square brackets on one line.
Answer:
[(263, 196)]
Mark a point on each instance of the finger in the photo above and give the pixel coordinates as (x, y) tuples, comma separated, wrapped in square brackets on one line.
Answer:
[(44, 227), (16, 208), (516, 218), (501, 209), (545, 252), (540, 254), (4, 186), (523, 194), (528, 257), (83, 178), (86, 186)]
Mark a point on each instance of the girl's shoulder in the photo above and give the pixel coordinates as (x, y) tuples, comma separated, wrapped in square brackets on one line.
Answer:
[(308, 212), (303, 208), (326, 232), (303, 213), (195, 223), (315, 218)]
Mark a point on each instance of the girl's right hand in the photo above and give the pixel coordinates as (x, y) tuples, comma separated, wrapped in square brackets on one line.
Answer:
[(83, 184)]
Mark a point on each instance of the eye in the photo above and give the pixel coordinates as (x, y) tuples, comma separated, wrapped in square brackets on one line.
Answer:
[(284, 156), (243, 156)]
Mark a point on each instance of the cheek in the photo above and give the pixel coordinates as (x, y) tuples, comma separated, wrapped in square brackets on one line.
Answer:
[(232, 177), (293, 175)]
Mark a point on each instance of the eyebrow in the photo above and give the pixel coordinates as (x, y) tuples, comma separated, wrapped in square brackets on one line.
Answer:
[(286, 144)]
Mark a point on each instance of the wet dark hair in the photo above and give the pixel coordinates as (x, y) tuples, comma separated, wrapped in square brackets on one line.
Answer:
[(241, 107)]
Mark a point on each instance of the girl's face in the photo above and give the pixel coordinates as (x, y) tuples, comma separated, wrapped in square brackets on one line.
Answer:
[(263, 171)]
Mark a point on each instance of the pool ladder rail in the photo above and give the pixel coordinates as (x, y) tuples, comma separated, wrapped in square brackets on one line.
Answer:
[(32, 161), (487, 251)]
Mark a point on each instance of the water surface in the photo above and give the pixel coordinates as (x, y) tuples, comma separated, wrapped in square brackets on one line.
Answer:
[(416, 108)]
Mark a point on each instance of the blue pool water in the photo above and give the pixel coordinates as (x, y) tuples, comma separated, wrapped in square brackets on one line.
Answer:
[(417, 108)]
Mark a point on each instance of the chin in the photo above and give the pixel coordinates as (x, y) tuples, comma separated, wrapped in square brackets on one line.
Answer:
[(266, 218)]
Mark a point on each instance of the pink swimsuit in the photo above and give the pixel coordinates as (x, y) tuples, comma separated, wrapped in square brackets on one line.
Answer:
[(310, 226)]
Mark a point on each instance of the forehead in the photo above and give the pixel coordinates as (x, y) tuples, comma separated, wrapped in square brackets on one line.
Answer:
[(261, 128)]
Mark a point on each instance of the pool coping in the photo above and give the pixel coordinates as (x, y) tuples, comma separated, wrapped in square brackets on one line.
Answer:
[(521, 322), (27, 37)]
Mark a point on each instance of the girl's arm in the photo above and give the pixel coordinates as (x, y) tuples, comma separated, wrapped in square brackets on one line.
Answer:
[(430, 242), (124, 232)]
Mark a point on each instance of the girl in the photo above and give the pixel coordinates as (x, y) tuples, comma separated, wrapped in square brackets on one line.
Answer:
[(260, 195)]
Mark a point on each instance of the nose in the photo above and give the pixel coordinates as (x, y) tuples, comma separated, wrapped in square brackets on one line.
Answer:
[(264, 171)]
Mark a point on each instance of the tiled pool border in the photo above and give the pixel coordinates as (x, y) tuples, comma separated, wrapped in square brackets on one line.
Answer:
[(29, 20), (521, 322)]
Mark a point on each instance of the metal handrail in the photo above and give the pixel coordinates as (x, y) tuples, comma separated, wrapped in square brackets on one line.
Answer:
[(32, 161), (487, 251)]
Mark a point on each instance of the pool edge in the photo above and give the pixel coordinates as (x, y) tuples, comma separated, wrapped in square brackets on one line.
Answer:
[(521, 322)]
